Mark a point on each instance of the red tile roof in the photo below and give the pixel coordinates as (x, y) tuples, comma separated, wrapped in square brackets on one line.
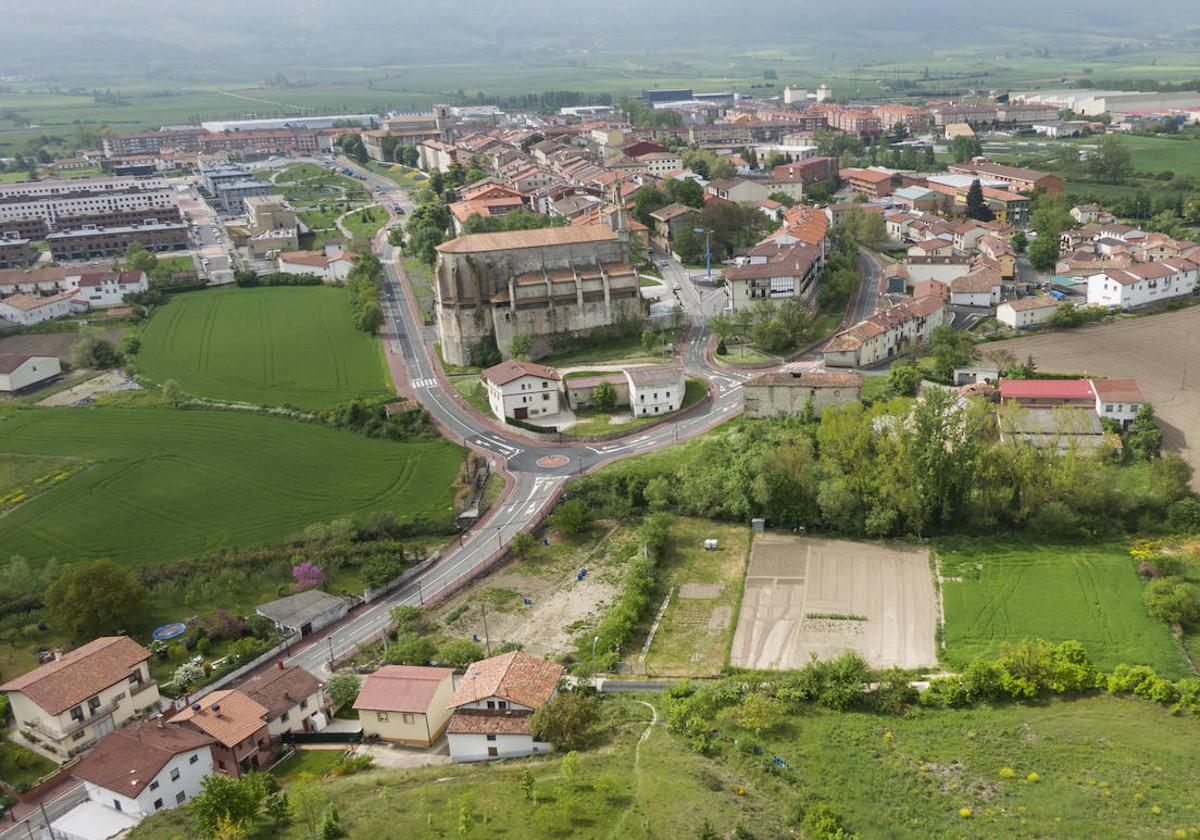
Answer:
[(514, 676), (1118, 390), (127, 760), (10, 362), (401, 688), (1059, 389), (229, 716), (512, 369), (80, 674), (481, 722), (279, 689), (538, 238)]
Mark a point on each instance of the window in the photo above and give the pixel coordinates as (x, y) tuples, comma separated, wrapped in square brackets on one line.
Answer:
[(79, 735), (491, 737), (1108, 407), (180, 797), (93, 705), (545, 397), (135, 678), (503, 704), (220, 765), (117, 804), (493, 752), (491, 704), (157, 804), (283, 717), (193, 759), (408, 718), (154, 785), (174, 774), (303, 704), (382, 716)]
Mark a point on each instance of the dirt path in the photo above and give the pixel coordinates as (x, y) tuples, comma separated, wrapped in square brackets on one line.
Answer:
[(637, 765)]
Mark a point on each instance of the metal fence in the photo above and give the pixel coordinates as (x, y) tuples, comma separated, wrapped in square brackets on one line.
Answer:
[(36, 826)]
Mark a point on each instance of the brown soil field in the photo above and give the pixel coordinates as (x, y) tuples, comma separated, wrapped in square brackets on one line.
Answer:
[(51, 344), (1162, 352), (806, 596)]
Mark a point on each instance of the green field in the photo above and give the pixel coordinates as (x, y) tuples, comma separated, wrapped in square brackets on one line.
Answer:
[(268, 346), (1011, 590), (166, 484), (1106, 767), (365, 228)]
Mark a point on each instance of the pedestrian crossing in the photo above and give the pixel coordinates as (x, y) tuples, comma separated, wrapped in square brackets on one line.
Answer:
[(805, 364), (424, 383)]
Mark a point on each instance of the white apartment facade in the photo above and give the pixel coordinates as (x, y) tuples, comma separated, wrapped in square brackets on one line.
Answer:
[(29, 309), (1024, 313), (520, 390), (1142, 283), (655, 389)]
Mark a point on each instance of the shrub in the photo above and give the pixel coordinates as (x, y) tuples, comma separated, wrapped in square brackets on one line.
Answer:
[(342, 689), (1184, 514), (458, 653), (571, 517), (1171, 599), (568, 720)]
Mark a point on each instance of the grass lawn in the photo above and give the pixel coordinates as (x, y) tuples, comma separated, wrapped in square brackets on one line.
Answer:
[(314, 762), (21, 472), (875, 387), (407, 178), (420, 279), (21, 765), (694, 635), (646, 282), (166, 484), (472, 391), (609, 350), (270, 346), (1010, 590), (320, 218), (365, 223), (592, 423), (746, 354)]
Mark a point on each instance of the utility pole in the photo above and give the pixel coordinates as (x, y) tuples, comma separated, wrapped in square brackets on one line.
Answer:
[(330, 640), (487, 640)]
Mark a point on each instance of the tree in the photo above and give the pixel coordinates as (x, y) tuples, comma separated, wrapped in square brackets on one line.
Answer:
[(521, 544), (569, 766), (965, 147), (1051, 215), (527, 785), (759, 713), (646, 200), (604, 397), (381, 568), (522, 344), (951, 349), (222, 798), (342, 689), (976, 207), (1043, 253), (308, 804), (171, 393), (1171, 600), (95, 352), (568, 720), (458, 653), (783, 198), (137, 258), (406, 618), (351, 145), (903, 378), (1145, 437), (1111, 161), (571, 517), (1019, 242), (369, 317), (686, 191), (330, 827), (411, 649), (96, 598)]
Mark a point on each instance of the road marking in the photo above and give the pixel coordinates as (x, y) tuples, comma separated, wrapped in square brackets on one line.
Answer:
[(424, 383)]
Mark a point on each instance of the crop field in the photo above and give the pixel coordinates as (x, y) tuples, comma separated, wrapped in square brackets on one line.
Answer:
[(996, 592), (268, 346), (165, 484), (1156, 350)]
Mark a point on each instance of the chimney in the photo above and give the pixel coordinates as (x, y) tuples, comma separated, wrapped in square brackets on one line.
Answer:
[(195, 707), (216, 708), (159, 720), (287, 695)]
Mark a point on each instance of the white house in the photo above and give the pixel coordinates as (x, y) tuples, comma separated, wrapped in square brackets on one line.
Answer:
[(1118, 399), (981, 287), (522, 390), (100, 289), (655, 389), (19, 371), (885, 334), (1026, 312), (30, 309), (493, 704), (330, 265), (293, 698), (1142, 283), (139, 770)]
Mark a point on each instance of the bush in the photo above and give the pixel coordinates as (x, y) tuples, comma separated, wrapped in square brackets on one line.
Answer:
[(458, 653), (95, 352), (1184, 514), (342, 689), (568, 720), (1171, 599), (570, 517)]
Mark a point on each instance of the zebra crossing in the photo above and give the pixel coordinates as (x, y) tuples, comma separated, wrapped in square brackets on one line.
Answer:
[(805, 364), (424, 383)]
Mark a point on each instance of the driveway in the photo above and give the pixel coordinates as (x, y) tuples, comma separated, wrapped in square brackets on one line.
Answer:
[(394, 756)]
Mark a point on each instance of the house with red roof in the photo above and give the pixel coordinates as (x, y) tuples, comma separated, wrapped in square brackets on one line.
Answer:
[(521, 390), (406, 704), (237, 724), (1048, 393), (1143, 283), (101, 289), (493, 704)]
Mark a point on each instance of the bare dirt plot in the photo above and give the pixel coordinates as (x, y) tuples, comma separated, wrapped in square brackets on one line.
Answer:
[(51, 344), (113, 380), (805, 596), (1159, 351)]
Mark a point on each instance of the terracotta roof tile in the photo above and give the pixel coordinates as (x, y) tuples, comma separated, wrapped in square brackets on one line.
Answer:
[(480, 722), (514, 676), (280, 689), (512, 369), (401, 688), (537, 238), (229, 716), (127, 760), (80, 674)]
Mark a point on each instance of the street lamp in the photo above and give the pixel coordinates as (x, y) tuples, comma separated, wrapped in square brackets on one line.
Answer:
[(595, 639), (707, 250)]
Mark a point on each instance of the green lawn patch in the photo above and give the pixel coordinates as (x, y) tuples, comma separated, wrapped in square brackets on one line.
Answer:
[(167, 484), (20, 766), (609, 349), (1000, 591), (407, 178), (472, 390), (313, 762), (591, 423), (365, 223), (420, 280), (746, 354), (295, 345)]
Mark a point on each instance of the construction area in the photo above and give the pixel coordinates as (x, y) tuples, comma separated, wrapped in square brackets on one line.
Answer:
[(807, 596)]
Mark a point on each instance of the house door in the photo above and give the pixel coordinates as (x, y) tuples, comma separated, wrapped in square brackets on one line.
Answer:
[(103, 727), (305, 629), (493, 752), (521, 413)]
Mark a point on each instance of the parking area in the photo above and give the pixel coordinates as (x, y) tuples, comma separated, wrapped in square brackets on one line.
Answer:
[(805, 596)]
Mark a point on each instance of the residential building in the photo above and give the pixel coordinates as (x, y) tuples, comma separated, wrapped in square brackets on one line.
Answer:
[(152, 142), (521, 390), (293, 698), (300, 141), (972, 113), (93, 241), (1087, 214), (655, 389), (102, 289), (231, 195), (1048, 393), (916, 120), (869, 182), (16, 251), (406, 704), (955, 130), (140, 770), (1142, 283), (534, 283), (941, 269), (1027, 312), (493, 703), (26, 309), (331, 265), (936, 247), (1118, 400), (786, 393), (807, 172), (271, 224), (305, 612), (774, 271), (885, 334), (659, 164), (979, 287), (71, 703), (238, 726), (83, 201), (1017, 178), (580, 389), (916, 198), (738, 190), (20, 371)]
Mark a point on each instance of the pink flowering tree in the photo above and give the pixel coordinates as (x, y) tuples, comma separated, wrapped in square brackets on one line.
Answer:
[(307, 576)]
